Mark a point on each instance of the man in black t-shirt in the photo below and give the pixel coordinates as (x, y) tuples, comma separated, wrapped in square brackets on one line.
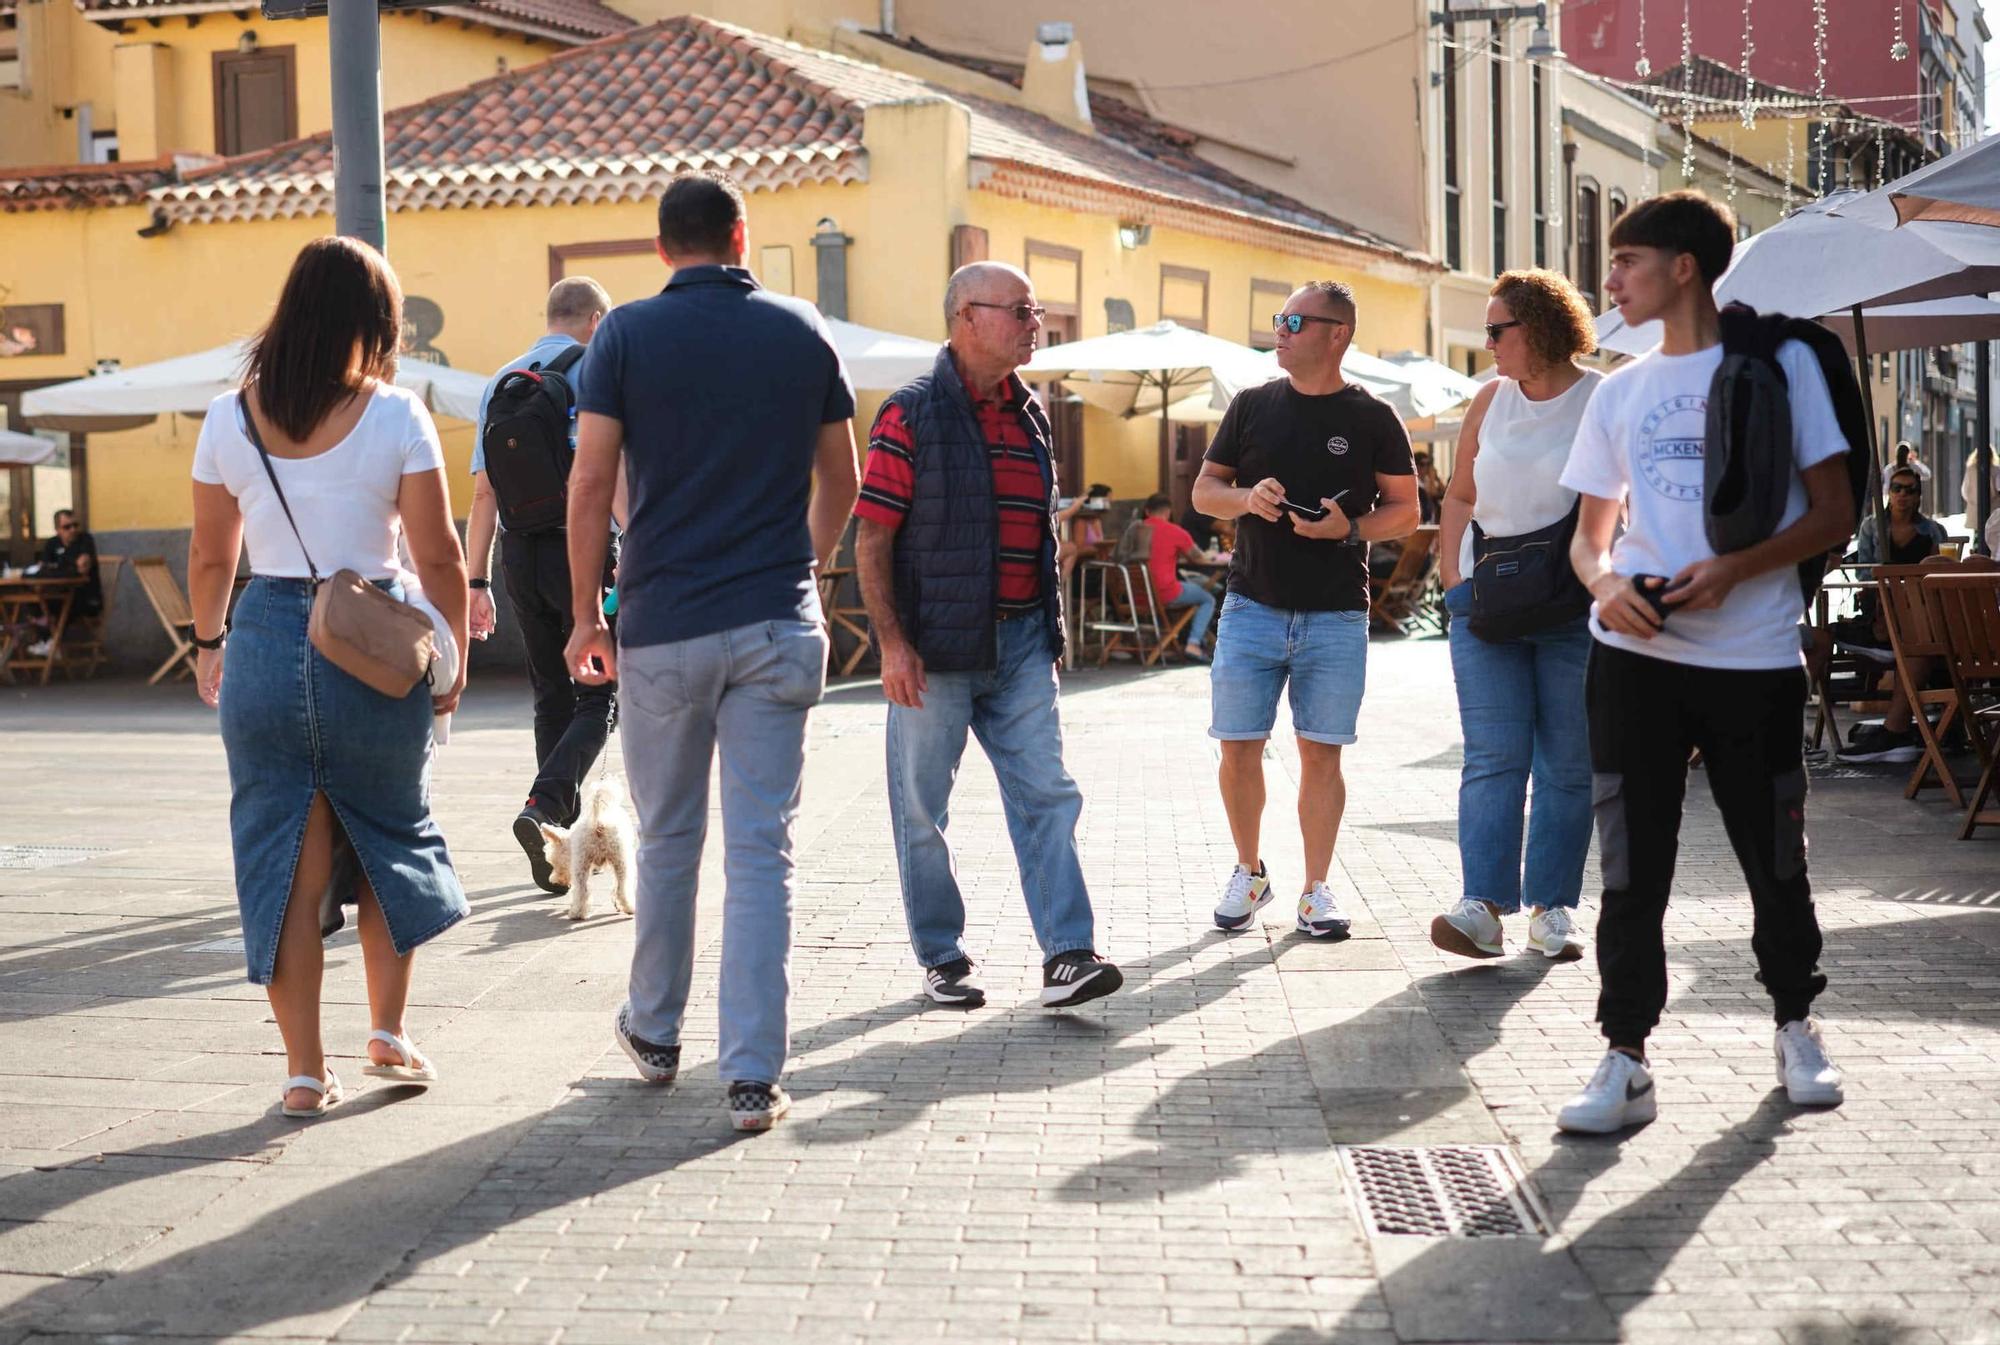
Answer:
[(1315, 467)]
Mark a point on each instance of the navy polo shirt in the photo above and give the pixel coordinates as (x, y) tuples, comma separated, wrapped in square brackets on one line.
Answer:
[(721, 387)]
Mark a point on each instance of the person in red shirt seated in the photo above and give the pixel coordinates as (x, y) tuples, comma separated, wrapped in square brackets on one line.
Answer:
[(1171, 544)]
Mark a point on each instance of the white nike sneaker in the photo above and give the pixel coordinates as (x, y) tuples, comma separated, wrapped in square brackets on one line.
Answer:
[(1245, 895), (1552, 933), (1320, 914), (1810, 1079), (1471, 929), (1618, 1095)]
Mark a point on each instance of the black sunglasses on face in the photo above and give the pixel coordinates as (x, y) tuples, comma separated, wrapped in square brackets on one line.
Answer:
[(1021, 312), (1493, 329), (1904, 488), (1296, 322)]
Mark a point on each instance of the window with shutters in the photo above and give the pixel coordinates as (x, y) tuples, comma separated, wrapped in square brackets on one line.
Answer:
[(256, 99), (10, 55), (1267, 300)]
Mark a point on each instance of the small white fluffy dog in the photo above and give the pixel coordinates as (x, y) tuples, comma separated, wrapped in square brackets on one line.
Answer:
[(601, 839)]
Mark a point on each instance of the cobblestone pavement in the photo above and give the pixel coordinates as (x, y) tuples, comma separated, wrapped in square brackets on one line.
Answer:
[(1160, 1166)]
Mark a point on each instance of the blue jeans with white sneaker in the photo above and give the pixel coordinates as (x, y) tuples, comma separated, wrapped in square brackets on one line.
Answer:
[(1195, 596), (1521, 708), (1014, 712)]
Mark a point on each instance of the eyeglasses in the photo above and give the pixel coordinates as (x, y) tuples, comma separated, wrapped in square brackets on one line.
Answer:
[(1905, 488), (1296, 322), (1493, 329), (65, 527), (1021, 312)]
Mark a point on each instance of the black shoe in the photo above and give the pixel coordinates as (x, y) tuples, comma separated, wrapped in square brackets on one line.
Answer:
[(1879, 744), (657, 1064), (1076, 976), (953, 983), (757, 1106), (528, 831)]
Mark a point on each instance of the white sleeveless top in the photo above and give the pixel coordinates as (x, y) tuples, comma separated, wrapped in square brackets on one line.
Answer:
[(344, 498), (1523, 447)]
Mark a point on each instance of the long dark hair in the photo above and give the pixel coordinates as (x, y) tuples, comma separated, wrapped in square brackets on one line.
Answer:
[(341, 300)]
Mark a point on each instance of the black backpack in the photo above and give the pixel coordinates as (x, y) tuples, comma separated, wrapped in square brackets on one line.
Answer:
[(1747, 455), (527, 444)]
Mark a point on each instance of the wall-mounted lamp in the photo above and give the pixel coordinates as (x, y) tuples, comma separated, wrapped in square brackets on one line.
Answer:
[(1541, 41), (1134, 235), (246, 41)]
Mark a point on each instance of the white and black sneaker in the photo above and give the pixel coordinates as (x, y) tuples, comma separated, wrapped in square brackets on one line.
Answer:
[(954, 983), (1320, 914), (1878, 744), (1078, 975), (1810, 1079), (657, 1064), (1618, 1095), (1242, 897), (754, 1105)]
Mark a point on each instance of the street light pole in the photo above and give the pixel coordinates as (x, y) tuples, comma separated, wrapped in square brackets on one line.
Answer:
[(354, 32)]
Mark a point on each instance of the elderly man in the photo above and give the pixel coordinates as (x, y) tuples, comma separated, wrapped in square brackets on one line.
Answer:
[(572, 720), (1316, 468), (957, 560)]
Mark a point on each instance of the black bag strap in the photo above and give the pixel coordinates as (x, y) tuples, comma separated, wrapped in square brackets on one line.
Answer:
[(257, 440), (564, 362)]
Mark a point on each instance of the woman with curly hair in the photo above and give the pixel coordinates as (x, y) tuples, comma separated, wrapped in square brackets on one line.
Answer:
[(1520, 699)]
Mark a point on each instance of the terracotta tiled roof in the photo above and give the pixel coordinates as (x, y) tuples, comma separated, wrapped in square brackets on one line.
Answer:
[(566, 21), (72, 186), (1717, 87), (615, 119)]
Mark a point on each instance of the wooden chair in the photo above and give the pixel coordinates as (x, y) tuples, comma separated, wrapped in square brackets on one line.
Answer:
[(1402, 592), (1139, 629), (1914, 635), (86, 653), (1965, 609), (176, 617)]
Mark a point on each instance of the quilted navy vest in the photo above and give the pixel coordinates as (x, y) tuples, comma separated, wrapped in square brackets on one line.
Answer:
[(947, 556)]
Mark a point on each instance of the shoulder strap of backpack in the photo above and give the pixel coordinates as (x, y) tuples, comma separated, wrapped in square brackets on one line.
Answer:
[(564, 362)]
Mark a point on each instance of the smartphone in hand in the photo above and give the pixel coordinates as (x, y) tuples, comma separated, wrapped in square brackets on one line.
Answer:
[(1312, 513), (1655, 597)]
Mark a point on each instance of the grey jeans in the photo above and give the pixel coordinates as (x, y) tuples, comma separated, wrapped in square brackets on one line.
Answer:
[(746, 691)]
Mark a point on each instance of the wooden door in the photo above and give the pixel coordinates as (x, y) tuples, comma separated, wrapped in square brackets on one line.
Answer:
[(1190, 443), (1065, 415), (256, 99)]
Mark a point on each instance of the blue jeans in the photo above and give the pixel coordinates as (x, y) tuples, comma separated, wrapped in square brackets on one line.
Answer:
[(1195, 596), (1520, 705), (746, 691), (1013, 710), (1320, 658)]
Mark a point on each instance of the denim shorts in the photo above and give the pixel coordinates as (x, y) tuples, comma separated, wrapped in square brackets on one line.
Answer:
[(293, 725), (1258, 649)]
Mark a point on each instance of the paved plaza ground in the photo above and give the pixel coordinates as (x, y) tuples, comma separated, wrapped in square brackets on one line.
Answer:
[(1166, 1165)]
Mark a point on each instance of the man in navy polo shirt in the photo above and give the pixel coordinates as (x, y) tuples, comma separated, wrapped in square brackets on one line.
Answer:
[(733, 417)]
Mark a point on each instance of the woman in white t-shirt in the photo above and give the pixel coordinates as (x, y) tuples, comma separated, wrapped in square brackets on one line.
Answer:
[(1520, 700), (329, 798)]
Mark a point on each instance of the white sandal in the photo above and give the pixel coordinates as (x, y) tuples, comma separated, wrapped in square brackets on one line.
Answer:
[(329, 1091), (410, 1071)]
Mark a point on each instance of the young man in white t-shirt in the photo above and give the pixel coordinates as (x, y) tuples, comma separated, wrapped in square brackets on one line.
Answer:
[(1694, 650)]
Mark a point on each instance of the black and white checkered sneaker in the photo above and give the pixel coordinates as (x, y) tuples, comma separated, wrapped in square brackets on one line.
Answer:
[(757, 1106), (954, 983), (657, 1064), (1078, 975)]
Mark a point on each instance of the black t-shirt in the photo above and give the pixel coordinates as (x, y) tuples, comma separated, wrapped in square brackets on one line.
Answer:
[(60, 559), (1317, 447)]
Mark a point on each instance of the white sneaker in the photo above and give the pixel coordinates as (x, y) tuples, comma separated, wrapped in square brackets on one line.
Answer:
[(1320, 914), (1618, 1095), (39, 649), (1245, 895), (1470, 929), (1552, 933), (1810, 1079)]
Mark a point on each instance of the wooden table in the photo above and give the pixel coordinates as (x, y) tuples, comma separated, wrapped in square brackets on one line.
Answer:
[(51, 598)]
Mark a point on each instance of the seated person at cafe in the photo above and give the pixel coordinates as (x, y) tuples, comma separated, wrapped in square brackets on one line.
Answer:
[(1084, 517), (1170, 545), (70, 554)]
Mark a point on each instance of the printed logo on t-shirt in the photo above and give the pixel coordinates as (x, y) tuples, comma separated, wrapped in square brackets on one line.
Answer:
[(1337, 446), (1670, 447)]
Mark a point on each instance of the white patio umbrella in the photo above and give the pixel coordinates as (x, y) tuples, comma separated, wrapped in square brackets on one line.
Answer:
[(1433, 383), (1416, 386), (1165, 370), (878, 360), (1936, 322), (1963, 187), (188, 383), (24, 450)]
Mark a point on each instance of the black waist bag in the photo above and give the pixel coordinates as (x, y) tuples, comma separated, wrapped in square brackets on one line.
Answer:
[(1525, 583)]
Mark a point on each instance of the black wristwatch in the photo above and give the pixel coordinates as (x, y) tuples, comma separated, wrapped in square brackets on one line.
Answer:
[(216, 643), (479, 583)]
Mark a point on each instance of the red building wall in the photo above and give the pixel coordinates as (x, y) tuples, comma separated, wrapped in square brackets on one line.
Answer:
[(1602, 36)]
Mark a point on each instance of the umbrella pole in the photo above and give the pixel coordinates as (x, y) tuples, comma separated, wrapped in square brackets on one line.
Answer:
[(1867, 373), (1166, 437), (1981, 502)]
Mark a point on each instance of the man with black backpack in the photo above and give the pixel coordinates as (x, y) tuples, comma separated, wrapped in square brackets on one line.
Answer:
[(1731, 450), (527, 438)]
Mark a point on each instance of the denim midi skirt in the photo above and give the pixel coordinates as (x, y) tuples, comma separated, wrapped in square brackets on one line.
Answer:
[(294, 725)]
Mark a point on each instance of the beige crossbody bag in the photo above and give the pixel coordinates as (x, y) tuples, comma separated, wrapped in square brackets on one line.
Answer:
[(384, 644)]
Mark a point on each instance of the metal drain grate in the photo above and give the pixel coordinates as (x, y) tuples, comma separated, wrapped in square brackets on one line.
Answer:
[(1466, 1191), (44, 856)]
